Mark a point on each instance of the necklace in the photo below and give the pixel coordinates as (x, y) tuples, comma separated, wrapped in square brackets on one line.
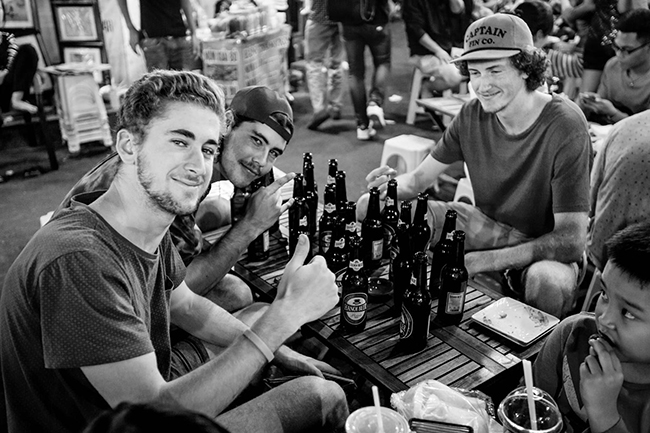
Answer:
[(630, 80)]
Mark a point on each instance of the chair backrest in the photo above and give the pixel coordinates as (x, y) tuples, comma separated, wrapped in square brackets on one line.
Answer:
[(595, 287)]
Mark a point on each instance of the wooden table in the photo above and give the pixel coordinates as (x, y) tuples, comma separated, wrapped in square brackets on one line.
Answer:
[(465, 356)]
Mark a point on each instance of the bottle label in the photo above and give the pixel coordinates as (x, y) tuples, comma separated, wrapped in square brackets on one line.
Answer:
[(405, 324), (354, 307), (329, 207), (455, 303), (330, 179), (302, 222), (356, 265), (450, 236), (325, 240), (390, 201), (351, 227), (340, 243), (377, 249), (413, 281)]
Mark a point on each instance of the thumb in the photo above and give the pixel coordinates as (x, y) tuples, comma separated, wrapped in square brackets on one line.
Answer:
[(299, 255)]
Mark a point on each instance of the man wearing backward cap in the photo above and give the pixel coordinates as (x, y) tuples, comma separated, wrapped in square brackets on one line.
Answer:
[(527, 154)]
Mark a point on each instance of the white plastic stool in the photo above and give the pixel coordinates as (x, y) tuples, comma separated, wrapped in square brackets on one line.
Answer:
[(416, 88), (405, 152)]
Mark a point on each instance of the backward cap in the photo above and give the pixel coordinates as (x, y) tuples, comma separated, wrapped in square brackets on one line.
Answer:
[(495, 37), (259, 103)]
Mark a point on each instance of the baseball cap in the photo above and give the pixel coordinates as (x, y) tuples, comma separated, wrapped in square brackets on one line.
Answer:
[(259, 103), (495, 37)]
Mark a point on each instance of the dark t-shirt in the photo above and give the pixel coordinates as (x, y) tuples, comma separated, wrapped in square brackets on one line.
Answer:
[(79, 294), (160, 18), (523, 179)]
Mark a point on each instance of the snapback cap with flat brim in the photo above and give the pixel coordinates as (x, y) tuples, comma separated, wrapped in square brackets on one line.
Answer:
[(496, 37), (259, 103)]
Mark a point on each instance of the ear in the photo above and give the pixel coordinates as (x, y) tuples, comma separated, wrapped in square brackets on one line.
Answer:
[(230, 122), (125, 145)]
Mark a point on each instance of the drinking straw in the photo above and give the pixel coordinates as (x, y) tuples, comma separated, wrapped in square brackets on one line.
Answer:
[(528, 378), (380, 421)]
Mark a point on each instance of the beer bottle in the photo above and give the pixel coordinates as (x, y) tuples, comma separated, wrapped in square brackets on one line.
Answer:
[(258, 250), (453, 284), (341, 194), (270, 178), (337, 257), (350, 221), (389, 218), (311, 194), (400, 267), (298, 216), (332, 168), (354, 292), (327, 220), (420, 230), (442, 252), (416, 307), (372, 233)]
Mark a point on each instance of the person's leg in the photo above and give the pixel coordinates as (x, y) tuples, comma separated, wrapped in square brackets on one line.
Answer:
[(179, 53), (354, 47), (316, 43), (595, 56), (335, 71), (155, 54), (230, 293), (380, 46), (551, 286), (305, 404), (21, 76)]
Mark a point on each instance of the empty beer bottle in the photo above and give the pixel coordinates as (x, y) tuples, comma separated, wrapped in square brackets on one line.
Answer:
[(238, 204), (416, 307), (311, 193), (442, 252), (327, 220), (337, 257), (332, 168), (341, 194), (453, 284), (354, 292), (372, 233), (298, 216), (258, 250), (389, 218), (401, 265), (350, 221), (420, 230)]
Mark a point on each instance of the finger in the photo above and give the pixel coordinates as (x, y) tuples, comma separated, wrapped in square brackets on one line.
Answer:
[(379, 171), (593, 365), (604, 358), (280, 182), (299, 255), (287, 205), (325, 367)]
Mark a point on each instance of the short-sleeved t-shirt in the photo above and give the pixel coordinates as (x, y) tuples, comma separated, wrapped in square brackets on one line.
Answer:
[(79, 294), (615, 86), (162, 18), (523, 179)]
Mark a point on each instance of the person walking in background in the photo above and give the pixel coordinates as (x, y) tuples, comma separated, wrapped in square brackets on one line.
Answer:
[(324, 55), (368, 29), (167, 40)]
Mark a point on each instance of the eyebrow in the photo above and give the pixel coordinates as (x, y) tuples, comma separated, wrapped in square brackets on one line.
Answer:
[(264, 139), (624, 301), (191, 136)]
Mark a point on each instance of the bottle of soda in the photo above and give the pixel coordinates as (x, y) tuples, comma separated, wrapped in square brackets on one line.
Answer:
[(258, 250), (453, 284), (416, 307), (372, 233), (341, 194), (354, 292), (442, 252), (389, 218), (311, 193), (327, 220), (401, 265), (350, 221), (332, 168), (420, 230), (338, 257), (298, 216)]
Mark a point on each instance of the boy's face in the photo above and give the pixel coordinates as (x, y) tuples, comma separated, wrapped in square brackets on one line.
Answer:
[(623, 315), (497, 83)]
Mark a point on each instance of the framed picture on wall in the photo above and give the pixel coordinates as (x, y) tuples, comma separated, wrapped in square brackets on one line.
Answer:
[(18, 14), (77, 23)]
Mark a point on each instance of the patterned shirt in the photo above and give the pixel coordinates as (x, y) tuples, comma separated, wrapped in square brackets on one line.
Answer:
[(319, 12), (620, 183)]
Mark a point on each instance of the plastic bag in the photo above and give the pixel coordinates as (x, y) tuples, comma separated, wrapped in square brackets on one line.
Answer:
[(431, 400)]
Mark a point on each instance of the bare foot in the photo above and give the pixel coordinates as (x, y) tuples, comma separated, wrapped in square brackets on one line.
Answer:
[(24, 106)]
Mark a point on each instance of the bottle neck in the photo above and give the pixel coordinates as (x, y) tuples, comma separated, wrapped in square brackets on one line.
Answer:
[(448, 228), (405, 214), (391, 197), (459, 252), (298, 188), (420, 211), (373, 206), (309, 178)]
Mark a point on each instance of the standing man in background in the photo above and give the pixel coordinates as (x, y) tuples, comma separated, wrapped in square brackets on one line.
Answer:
[(163, 34)]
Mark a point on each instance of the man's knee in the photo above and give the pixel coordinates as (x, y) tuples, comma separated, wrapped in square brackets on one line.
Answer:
[(333, 404), (551, 286)]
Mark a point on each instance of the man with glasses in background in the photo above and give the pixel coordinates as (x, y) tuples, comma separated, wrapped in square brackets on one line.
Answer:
[(624, 87)]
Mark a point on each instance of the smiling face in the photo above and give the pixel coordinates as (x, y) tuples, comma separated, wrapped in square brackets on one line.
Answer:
[(174, 160), (249, 152), (623, 315), (497, 84)]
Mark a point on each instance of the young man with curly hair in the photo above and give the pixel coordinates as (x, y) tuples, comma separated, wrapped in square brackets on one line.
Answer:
[(527, 155)]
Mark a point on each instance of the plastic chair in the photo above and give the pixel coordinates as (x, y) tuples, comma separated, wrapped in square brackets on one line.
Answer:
[(595, 287), (405, 152), (416, 89)]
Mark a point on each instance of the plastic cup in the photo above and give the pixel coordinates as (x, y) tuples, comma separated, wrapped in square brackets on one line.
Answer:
[(364, 420), (514, 416)]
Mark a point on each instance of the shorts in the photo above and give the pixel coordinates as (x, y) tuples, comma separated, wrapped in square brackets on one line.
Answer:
[(595, 55), (188, 353)]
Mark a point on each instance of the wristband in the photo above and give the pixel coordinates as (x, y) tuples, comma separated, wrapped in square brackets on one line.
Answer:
[(261, 345)]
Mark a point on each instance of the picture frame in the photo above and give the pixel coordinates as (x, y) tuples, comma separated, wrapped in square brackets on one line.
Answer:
[(76, 23), (19, 14), (84, 55)]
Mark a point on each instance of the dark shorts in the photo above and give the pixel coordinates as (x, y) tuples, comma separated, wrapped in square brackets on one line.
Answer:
[(595, 55), (188, 353)]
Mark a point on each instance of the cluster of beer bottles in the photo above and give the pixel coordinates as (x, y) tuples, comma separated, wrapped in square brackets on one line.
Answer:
[(387, 236)]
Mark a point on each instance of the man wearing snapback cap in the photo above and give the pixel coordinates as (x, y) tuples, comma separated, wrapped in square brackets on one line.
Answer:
[(528, 155), (259, 125)]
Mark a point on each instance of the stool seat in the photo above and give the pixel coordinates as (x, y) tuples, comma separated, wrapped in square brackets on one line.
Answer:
[(405, 152)]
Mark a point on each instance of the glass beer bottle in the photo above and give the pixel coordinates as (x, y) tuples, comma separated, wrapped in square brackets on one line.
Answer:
[(327, 220), (354, 292), (311, 193), (332, 168), (389, 218), (372, 233), (453, 284), (258, 250), (442, 252), (337, 257), (350, 221), (298, 216), (400, 267), (341, 194), (420, 230), (416, 308)]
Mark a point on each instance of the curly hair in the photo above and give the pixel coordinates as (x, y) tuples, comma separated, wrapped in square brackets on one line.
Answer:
[(531, 61), (148, 97)]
